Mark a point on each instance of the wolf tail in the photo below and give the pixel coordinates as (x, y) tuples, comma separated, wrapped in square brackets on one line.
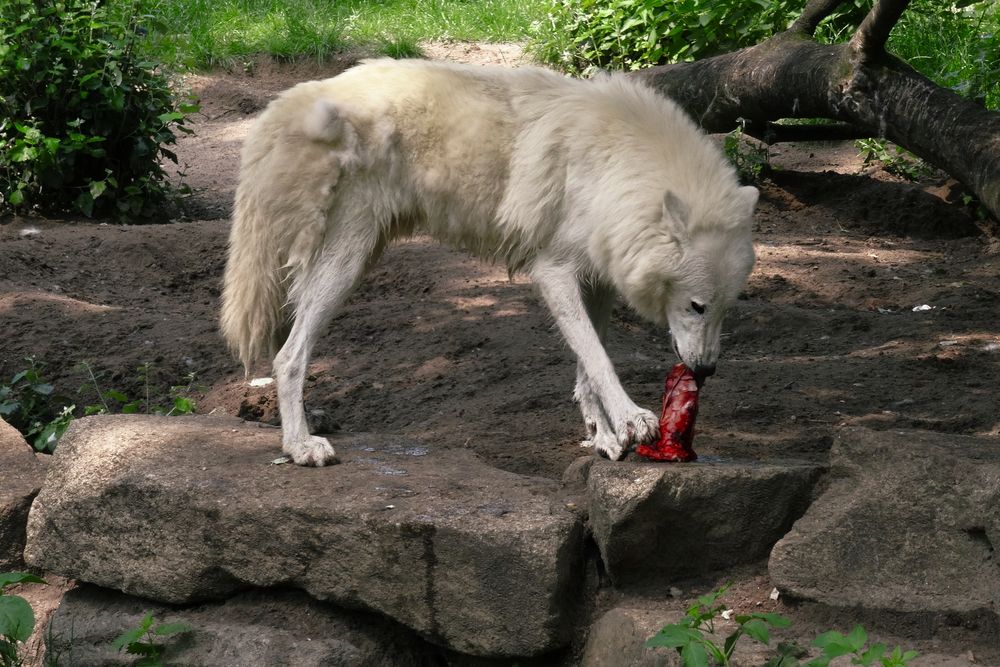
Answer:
[(291, 162)]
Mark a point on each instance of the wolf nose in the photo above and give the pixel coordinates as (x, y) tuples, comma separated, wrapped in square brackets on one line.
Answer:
[(702, 371)]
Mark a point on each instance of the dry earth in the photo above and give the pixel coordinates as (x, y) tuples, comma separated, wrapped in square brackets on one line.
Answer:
[(874, 302)]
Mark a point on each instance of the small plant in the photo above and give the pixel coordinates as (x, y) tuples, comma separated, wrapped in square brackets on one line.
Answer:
[(693, 638), (835, 645), (29, 404), (112, 400), (898, 161), (145, 639), (17, 620), (750, 159)]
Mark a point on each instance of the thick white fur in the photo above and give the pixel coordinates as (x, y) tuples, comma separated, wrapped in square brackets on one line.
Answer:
[(592, 187)]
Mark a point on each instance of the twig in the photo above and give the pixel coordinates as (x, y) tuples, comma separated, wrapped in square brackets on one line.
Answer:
[(97, 388)]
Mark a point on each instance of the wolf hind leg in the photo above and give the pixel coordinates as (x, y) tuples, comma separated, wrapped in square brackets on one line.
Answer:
[(317, 297)]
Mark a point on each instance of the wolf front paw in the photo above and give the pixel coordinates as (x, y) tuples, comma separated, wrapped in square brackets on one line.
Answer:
[(607, 445), (312, 451), (639, 427)]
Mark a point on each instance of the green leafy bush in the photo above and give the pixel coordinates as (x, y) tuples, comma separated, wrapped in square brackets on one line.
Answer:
[(84, 120), (584, 35)]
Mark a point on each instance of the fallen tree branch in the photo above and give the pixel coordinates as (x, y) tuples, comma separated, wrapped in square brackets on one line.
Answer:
[(792, 76)]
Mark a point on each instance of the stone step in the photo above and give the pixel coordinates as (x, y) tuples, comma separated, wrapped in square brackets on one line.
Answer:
[(910, 523), (183, 509), (656, 522)]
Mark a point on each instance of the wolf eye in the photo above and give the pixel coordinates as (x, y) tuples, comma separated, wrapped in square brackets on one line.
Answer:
[(698, 307)]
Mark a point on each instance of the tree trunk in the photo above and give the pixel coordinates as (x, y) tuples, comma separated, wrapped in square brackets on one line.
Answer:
[(793, 76)]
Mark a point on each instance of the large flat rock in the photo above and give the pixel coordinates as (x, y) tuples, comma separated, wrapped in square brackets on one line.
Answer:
[(21, 475), (182, 509), (656, 521), (910, 523)]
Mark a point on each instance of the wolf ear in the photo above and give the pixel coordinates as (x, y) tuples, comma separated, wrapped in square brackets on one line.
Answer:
[(675, 210)]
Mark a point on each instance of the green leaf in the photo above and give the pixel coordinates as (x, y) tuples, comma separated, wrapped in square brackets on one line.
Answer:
[(16, 198), (97, 188), (774, 620), (872, 654), (856, 640), (43, 389), (85, 204), (11, 578), (694, 655), (165, 629), (674, 636), (709, 599), (127, 638), (730, 643), (17, 620), (757, 629), (145, 648), (167, 118), (833, 644), (821, 661)]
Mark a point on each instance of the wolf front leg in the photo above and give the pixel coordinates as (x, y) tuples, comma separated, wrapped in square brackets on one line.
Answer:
[(598, 299), (560, 288)]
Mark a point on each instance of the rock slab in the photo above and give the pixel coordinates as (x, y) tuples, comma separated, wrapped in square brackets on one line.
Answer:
[(21, 475), (655, 521), (182, 509), (910, 523), (252, 629)]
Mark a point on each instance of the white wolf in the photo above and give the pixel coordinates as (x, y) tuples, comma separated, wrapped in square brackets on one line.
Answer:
[(591, 187)]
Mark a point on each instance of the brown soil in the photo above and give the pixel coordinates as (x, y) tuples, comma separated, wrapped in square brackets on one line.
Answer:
[(873, 302)]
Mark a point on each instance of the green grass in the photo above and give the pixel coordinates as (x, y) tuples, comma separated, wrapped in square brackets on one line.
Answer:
[(203, 33), (957, 48)]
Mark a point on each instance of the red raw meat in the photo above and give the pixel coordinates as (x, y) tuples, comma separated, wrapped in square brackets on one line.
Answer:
[(680, 407)]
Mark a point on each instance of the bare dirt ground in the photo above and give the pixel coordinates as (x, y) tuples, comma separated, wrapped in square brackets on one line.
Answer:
[(874, 302)]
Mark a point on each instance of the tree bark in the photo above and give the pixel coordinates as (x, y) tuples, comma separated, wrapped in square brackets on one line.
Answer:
[(792, 76)]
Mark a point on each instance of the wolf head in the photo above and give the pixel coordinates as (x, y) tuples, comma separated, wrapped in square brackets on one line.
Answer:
[(693, 269)]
